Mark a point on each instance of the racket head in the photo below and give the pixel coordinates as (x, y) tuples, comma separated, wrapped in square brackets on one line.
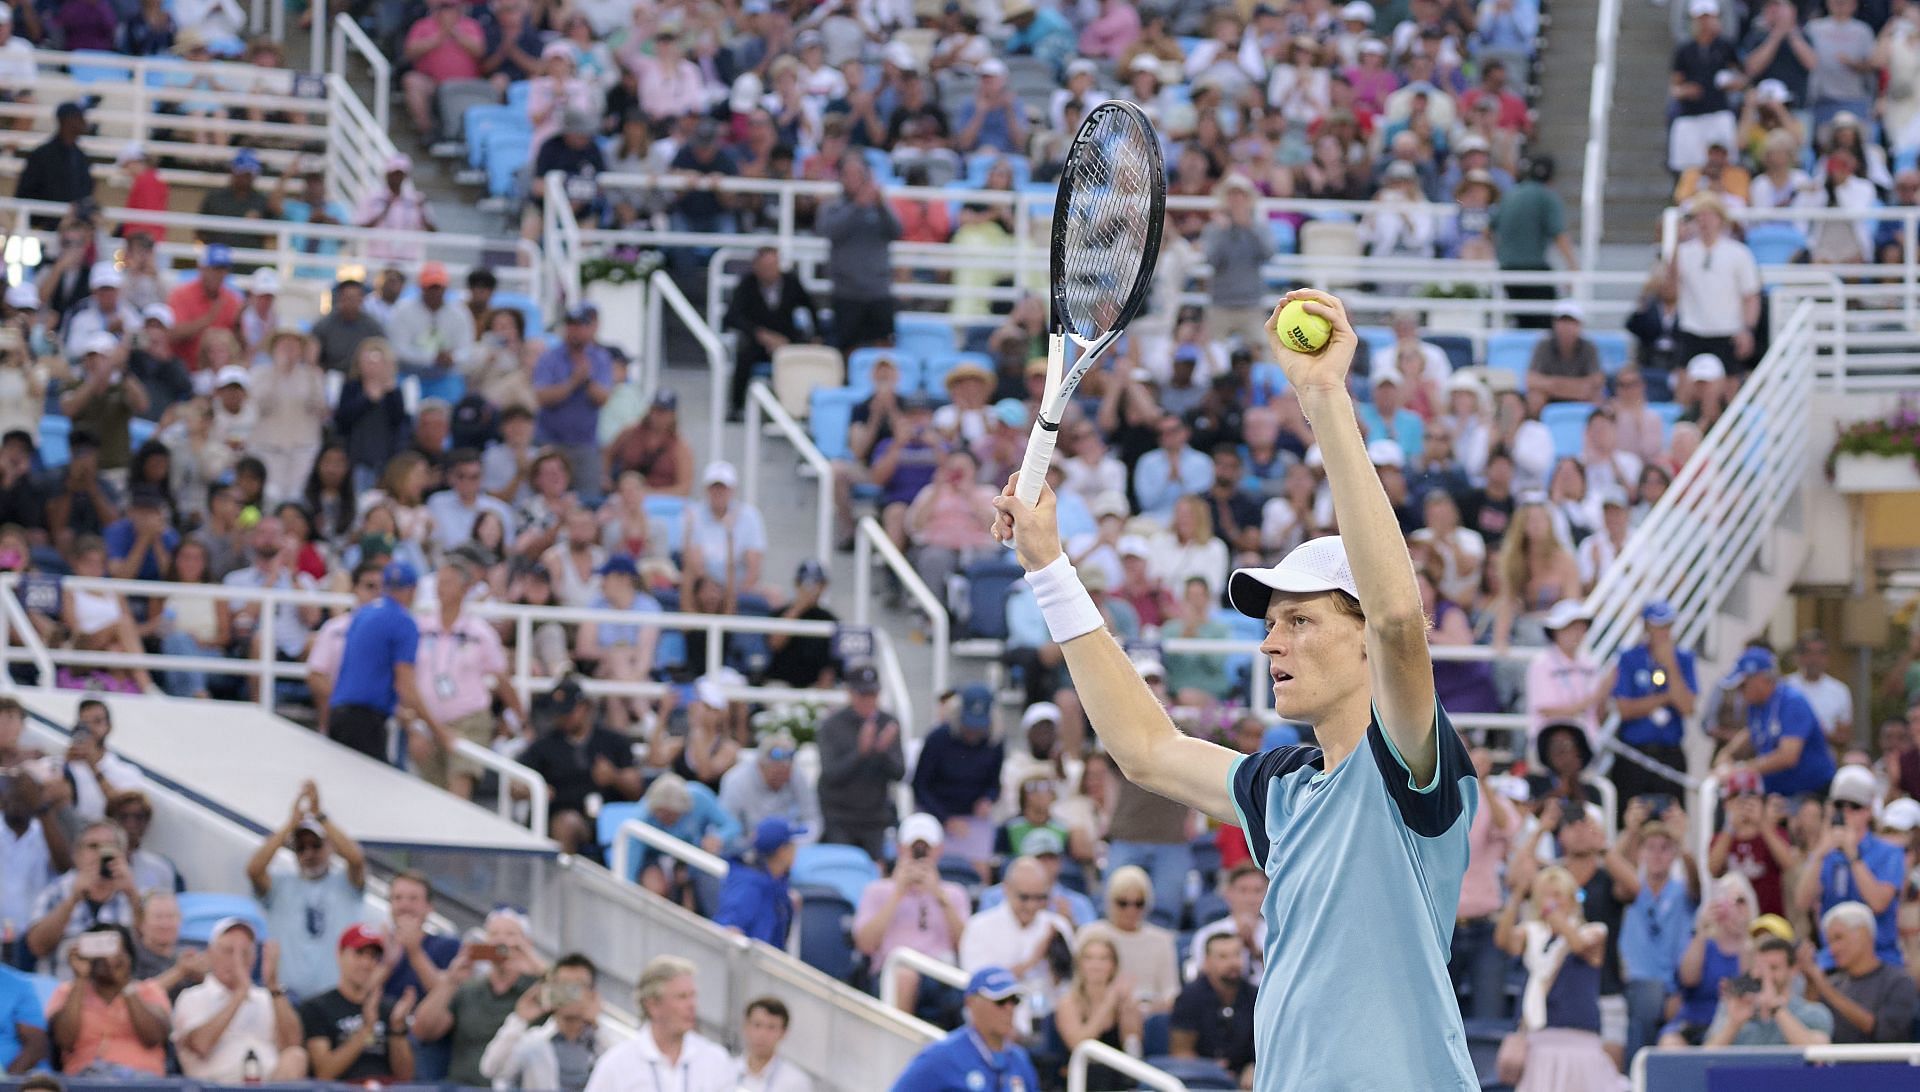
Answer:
[(1107, 220)]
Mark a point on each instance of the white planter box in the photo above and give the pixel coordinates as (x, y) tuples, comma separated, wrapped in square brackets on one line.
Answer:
[(1875, 474), (623, 311)]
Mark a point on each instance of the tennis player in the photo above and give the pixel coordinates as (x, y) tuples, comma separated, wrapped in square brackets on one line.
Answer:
[(1364, 837)]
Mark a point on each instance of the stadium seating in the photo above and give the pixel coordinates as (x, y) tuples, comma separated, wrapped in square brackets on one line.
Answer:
[(845, 869), (1775, 242), (934, 377), (1511, 351), (826, 924), (829, 415), (1567, 421), (200, 911), (799, 370)]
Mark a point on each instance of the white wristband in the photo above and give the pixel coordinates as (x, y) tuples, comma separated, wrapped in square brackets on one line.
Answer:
[(1064, 601)]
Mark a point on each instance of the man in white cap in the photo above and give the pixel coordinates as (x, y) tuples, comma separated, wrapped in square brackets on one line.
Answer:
[(1705, 68), (228, 1030), (234, 412), (1850, 863), (104, 310), (1347, 653), (104, 400), (991, 121), (1565, 366), (912, 908), (1387, 416)]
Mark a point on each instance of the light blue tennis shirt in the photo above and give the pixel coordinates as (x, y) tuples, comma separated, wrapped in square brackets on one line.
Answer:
[(1364, 870)]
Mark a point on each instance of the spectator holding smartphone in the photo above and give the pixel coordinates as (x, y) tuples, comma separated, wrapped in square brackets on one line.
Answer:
[(473, 1000), (1762, 1009), (557, 1014), (103, 1023), (913, 908), (1851, 864), (99, 891)]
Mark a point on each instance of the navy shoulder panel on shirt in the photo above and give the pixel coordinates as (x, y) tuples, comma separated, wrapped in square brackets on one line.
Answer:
[(1250, 778), (1431, 811)]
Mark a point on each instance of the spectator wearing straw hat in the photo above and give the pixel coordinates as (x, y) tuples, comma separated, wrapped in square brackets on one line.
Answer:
[(1719, 285)]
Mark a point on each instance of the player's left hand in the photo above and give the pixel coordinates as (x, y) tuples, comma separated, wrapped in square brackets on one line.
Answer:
[(1034, 531), (1326, 369)]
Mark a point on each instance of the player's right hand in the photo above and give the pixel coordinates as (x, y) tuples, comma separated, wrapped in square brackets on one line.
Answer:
[(1328, 368), (1033, 530)]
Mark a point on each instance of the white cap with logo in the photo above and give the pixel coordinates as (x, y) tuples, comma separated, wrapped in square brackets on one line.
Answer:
[(1316, 565)]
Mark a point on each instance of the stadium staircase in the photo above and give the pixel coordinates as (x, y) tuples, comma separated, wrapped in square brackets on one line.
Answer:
[(1638, 185)]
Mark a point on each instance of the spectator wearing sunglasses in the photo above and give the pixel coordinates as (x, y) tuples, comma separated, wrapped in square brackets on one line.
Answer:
[(983, 1053), (766, 786), (1019, 936), (1852, 864), (1658, 923)]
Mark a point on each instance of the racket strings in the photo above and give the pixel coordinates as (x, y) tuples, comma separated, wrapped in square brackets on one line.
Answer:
[(1108, 220)]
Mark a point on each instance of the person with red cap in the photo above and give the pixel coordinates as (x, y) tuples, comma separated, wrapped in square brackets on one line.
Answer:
[(352, 1032)]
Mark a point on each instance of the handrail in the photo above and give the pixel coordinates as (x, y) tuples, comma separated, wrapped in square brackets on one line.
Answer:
[(664, 290), (358, 148), (632, 830), (13, 619), (346, 33), (920, 963), (1093, 1051), (513, 772), (1705, 806), (559, 281), (869, 536), (1593, 174), (761, 402)]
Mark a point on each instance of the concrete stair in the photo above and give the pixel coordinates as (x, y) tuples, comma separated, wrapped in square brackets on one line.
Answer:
[(1564, 75), (1639, 186)]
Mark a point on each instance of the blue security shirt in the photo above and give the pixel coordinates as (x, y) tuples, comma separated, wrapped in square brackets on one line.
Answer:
[(1637, 679), (962, 1063), (1886, 862), (381, 634), (1788, 714), (1654, 933), (1364, 871)]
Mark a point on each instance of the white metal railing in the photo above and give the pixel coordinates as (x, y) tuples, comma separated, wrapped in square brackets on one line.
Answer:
[(347, 33), (1095, 1052), (1593, 174), (662, 290), (637, 830), (762, 403), (1701, 536), (358, 147), (870, 538), (511, 773), (920, 963), (559, 279)]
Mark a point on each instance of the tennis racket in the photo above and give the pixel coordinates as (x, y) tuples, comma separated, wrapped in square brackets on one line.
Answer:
[(1106, 238)]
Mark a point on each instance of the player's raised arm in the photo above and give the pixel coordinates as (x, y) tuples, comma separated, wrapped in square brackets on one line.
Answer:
[(1398, 661), (1135, 730)]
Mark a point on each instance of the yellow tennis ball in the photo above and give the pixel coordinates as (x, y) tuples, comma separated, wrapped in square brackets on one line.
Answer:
[(1301, 330)]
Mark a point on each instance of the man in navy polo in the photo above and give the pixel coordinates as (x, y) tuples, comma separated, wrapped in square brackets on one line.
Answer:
[(1654, 692), (1784, 743), (571, 381), (981, 1055), (376, 669)]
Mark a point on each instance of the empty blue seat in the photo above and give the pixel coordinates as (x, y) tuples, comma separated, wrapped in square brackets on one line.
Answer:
[(829, 415), (200, 911), (507, 151), (528, 307), (517, 93), (139, 431), (1512, 350), (1775, 242), (53, 440), (668, 513), (845, 869), (483, 118), (99, 66), (1567, 421), (937, 367), (988, 582), (922, 337), (449, 388), (825, 940), (1286, 237), (1377, 339), (1458, 347), (1155, 1036), (1613, 347)]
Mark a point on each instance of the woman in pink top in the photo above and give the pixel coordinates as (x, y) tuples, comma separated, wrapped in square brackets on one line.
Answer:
[(1563, 683), (555, 91), (1371, 79), (947, 523)]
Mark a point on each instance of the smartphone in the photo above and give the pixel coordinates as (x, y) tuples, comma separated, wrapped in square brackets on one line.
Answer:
[(562, 993), (491, 953), (1744, 985), (1657, 803), (106, 865), (921, 851), (97, 945), (1839, 818)]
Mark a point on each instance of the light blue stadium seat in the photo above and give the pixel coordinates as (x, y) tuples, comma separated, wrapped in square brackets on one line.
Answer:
[(1046, 191), (1775, 242), (935, 379), (104, 66), (829, 415), (1669, 414), (1286, 237), (517, 93), (669, 514), (528, 307), (449, 388), (1375, 338), (825, 921), (1512, 351), (1614, 349), (846, 869), (980, 163), (1567, 421), (507, 151), (54, 430), (139, 431), (200, 911), (879, 162), (861, 361), (1270, 376), (481, 119), (922, 342)]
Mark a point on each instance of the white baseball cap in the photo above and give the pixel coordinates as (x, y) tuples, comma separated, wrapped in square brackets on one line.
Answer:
[(921, 827), (720, 472), (1386, 453), (1359, 11), (98, 342), (1132, 546), (1316, 565), (233, 375), (1902, 814), (105, 275), (264, 282), (993, 66), (1037, 712), (1565, 613), (1697, 8), (160, 313), (131, 152), (1569, 309), (1387, 373), (23, 297), (1854, 785)]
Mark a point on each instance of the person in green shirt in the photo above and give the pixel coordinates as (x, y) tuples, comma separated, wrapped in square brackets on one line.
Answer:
[(1526, 222), (470, 1007)]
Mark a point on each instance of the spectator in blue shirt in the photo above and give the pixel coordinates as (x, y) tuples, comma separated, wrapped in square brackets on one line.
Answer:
[(571, 381), (23, 1026), (1851, 864), (754, 898), (1040, 32), (377, 670), (1387, 416), (982, 1055), (1657, 926), (1788, 748), (1170, 471), (690, 812), (1654, 692), (140, 544), (991, 121), (957, 780)]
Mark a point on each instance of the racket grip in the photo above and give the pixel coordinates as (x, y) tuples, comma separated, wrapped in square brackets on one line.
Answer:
[(1033, 469)]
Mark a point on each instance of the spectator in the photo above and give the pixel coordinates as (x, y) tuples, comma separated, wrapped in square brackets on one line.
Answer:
[(429, 331), (1766, 1010), (1784, 735), (204, 303), (498, 365), (578, 759), (1476, 963), (912, 908), (1843, 76), (667, 1000), (1654, 692), (34, 848), (1559, 1011), (1046, 844), (689, 811), (339, 333), (23, 1026), (416, 958), (97, 892), (1719, 284), (1705, 68), (104, 401), (443, 46), (400, 207), (1213, 1016), (755, 900), (463, 1013), (1849, 863), (1713, 959), (1832, 700), (1564, 683), (1236, 248), (377, 670), (725, 537), (671, 85), (768, 787), (945, 524), (1020, 934), (310, 905), (101, 1021), (455, 510), (58, 170), (1565, 366), (1535, 571), (860, 760), (957, 779), (1387, 419), (468, 669), (1146, 950), (1752, 845), (759, 1069), (230, 1031), (1528, 220), (859, 229), (106, 309), (1170, 471), (805, 661), (152, 871), (1098, 1003), (1658, 921), (289, 395), (572, 381), (1872, 1000), (555, 1019), (240, 199), (986, 1051), (1704, 393), (766, 310), (353, 1032), (577, 156), (94, 773)]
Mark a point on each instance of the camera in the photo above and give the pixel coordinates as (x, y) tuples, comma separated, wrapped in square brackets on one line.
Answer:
[(563, 993), (97, 945), (1745, 985)]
